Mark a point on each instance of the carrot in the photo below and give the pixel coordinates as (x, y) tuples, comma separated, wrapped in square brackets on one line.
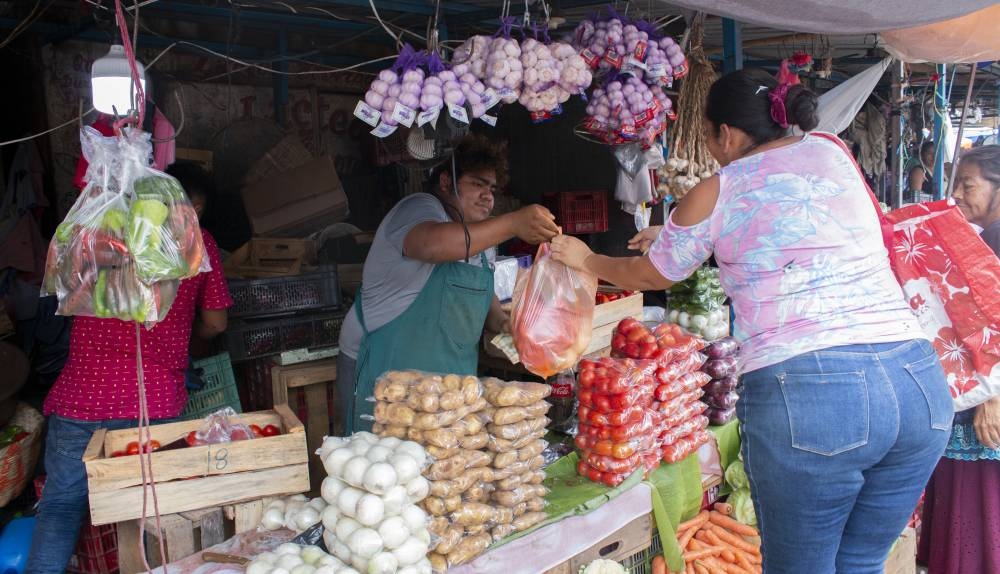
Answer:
[(699, 569), (695, 522), (686, 538), (689, 568), (724, 508), (715, 566), (742, 560), (734, 541), (732, 525), (659, 565), (713, 539), (703, 553)]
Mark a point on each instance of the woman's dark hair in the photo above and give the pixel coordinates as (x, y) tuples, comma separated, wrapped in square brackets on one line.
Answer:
[(987, 158), (927, 146), (474, 153), (742, 100), (197, 183)]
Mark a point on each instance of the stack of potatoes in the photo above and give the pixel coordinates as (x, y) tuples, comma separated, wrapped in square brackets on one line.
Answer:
[(516, 424), (485, 440)]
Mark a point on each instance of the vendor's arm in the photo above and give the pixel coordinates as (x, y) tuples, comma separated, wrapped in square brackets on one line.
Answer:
[(681, 246), (213, 295), (987, 423), (438, 242), (497, 320)]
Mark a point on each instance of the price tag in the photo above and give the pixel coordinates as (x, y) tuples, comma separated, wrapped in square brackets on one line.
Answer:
[(428, 117), (404, 115), (383, 130), (367, 114), (458, 113), (640, 50), (507, 94), (592, 59), (658, 70), (490, 98), (491, 120)]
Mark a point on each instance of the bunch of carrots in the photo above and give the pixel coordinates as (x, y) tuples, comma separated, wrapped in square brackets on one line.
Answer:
[(714, 543)]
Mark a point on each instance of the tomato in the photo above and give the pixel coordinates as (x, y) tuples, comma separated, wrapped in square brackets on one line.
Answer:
[(132, 448), (631, 349), (117, 453), (602, 298), (618, 342), (602, 447), (629, 324), (257, 432), (270, 430), (648, 350), (153, 445), (594, 475), (192, 438), (611, 479), (622, 449), (586, 379), (581, 468), (603, 403), (583, 413), (582, 442)]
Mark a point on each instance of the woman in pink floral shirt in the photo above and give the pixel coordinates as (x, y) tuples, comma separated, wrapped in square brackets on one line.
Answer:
[(844, 408)]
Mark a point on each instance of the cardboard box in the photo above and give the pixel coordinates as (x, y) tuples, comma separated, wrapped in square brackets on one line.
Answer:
[(200, 476), (903, 557), (297, 202)]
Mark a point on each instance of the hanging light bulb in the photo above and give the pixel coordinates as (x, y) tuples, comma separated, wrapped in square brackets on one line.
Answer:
[(111, 82)]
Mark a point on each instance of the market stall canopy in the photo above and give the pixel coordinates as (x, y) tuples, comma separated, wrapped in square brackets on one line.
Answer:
[(838, 107), (843, 17), (968, 39)]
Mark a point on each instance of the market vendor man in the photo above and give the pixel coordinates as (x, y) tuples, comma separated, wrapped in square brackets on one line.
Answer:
[(427, 285)]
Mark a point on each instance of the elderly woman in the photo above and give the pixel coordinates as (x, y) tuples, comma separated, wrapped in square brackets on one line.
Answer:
[(961, 532)]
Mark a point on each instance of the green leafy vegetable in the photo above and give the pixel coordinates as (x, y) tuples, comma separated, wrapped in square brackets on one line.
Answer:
[(736, 475), (743, 507)]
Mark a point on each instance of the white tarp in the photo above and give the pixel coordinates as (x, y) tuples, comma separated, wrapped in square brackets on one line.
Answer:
[(838, 107), (969, 39), (839, 17)]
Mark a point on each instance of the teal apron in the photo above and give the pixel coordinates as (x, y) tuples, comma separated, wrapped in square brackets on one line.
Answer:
[(438, 333)]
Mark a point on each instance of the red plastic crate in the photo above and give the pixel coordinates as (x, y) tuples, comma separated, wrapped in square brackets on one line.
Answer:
[(579, 212), (97, 548)]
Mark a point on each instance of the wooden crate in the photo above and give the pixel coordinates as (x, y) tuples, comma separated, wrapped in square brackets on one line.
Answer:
[(608, 315), (260, 258), (312, 382), (629, 540), (197, 477), (183, 534)]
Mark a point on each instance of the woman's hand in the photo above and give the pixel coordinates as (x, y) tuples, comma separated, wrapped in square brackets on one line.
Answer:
[(644, 239), (570, 251), (987, 423)]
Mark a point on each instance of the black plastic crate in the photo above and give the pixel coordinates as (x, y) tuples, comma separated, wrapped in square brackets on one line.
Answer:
[(251, 339), (283, 295)]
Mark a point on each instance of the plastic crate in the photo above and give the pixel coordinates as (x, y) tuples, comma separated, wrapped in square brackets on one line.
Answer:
[(579, 212), (283, 295), (252, 339), (219, 390)]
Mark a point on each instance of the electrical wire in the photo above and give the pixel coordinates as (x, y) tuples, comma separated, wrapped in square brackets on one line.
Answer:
[(30, 19), (46, 132), (379, 18)]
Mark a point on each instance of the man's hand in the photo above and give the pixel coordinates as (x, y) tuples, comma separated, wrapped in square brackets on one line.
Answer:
[(987, 423), (534, 224)]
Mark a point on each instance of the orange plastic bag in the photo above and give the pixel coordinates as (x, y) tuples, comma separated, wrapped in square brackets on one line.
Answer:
[(553, 315)]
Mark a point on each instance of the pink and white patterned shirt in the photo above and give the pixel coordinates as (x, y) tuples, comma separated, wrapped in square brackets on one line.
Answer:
[(800, 254)]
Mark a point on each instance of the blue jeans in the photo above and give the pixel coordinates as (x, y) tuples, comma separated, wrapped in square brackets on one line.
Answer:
[(64, 502), (838, 445)]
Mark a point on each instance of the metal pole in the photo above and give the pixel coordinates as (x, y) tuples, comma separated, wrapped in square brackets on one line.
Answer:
[(940, 116), (896, 191), (732, 46), (961, 130)]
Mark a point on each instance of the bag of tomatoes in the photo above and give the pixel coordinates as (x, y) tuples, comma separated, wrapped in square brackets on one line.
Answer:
[(609, 376), (552, 315), (611, 479), (647, 425)]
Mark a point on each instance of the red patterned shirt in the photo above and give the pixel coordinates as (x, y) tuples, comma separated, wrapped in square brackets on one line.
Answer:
[(99, 379)]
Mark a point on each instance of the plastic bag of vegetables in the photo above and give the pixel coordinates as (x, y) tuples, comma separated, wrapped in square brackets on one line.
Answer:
[(128, 239), (552, 316), (697, 304)]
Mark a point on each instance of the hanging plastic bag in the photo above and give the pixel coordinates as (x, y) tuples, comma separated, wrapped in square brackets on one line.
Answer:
[(552, 316), (129, 238)]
